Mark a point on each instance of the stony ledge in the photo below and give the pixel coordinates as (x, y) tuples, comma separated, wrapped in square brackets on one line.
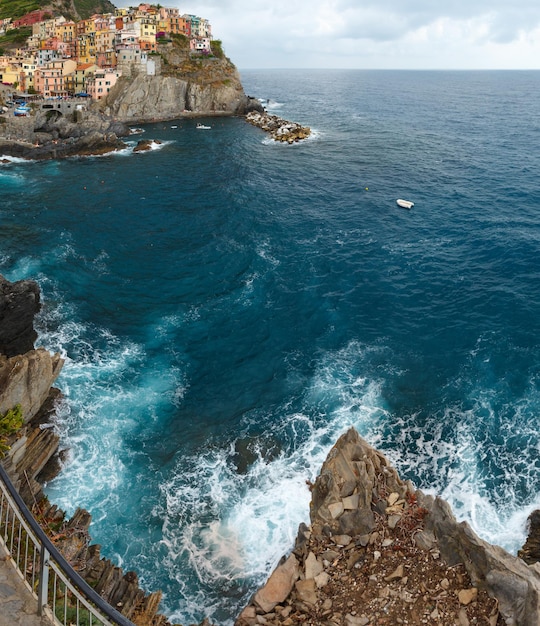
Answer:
[(376, 552)]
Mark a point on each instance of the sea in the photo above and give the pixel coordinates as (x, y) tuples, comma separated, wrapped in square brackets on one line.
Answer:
[(228, 306)]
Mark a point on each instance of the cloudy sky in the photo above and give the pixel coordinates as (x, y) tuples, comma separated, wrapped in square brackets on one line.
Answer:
[(375, 34)]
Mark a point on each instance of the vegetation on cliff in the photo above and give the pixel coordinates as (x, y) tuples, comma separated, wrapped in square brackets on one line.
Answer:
[(180, 63), (10, 423), (70, 9), (14, 38)]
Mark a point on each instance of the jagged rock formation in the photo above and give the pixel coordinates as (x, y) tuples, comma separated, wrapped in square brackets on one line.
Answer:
[(380, 552), (50, 134), (26, 379), (515, 584)]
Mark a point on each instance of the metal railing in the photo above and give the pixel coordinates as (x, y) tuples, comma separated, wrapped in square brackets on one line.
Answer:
[(61, 594)]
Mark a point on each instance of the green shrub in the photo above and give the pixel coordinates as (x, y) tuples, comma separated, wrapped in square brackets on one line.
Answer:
[(10, 423), (217, 48)]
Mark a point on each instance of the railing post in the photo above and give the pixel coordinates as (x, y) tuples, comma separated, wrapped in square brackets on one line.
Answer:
[(43, 586)]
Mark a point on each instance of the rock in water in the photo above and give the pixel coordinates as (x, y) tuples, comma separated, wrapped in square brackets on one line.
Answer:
[(279, 129), (19, 302), (530, 552)]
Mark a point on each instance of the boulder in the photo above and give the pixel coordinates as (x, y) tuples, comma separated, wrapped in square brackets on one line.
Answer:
[(279, 585), (27, 379), (19, 302)]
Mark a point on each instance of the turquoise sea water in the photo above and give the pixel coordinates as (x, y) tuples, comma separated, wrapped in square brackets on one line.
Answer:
[(228, 306)]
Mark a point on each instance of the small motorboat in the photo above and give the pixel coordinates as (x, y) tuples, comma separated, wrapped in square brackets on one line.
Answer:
[(22, 111), (203, 127), (405, 204)]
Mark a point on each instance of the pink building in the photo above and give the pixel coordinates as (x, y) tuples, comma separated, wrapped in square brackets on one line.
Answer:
[(102, 82)]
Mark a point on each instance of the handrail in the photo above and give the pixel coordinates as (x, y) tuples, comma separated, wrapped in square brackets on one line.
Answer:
[(50, 559)]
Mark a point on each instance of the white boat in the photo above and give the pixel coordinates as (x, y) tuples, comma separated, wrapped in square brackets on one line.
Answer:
[(405, 204), (203, 127)]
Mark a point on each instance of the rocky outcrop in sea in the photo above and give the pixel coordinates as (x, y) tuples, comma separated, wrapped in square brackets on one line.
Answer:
[(49, 134), (278, 128)]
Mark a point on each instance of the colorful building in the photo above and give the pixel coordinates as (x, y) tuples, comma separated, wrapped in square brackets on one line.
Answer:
[(64, 57), (103, 80)]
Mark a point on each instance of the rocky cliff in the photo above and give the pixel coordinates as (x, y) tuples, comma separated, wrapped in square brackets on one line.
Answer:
[(380, 552), (26, 379), (51, 134), (177, 85), (19, 303)]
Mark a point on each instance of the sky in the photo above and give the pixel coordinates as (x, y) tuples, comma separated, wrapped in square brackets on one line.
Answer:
[(375, 34)]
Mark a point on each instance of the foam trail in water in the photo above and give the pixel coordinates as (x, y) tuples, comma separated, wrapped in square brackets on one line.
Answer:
[(232, 515), (228, 516)]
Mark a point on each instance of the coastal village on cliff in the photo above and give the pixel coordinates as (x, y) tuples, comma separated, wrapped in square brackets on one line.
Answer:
[(63, 58), (73, 87), (376, 550)]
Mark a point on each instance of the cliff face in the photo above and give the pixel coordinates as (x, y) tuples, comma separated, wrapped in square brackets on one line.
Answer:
[(26, 379), (154, 98), (177, 86), (26, 376), (19, 302)]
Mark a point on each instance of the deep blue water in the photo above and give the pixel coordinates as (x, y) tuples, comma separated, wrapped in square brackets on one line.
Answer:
[(228, 307)]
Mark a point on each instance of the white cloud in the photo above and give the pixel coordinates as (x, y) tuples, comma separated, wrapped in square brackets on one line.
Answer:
[(377, 33)]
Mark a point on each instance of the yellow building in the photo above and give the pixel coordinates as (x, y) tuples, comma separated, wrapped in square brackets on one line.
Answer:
[(66, 32), (86, 48), (147, 38), (10, 74), (28, 68), (76, 82)]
